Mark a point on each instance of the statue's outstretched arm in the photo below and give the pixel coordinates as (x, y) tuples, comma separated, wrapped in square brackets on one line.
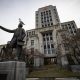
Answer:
[(7, 30)]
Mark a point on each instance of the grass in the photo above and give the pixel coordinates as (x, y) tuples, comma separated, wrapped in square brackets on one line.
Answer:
[(53, 71)]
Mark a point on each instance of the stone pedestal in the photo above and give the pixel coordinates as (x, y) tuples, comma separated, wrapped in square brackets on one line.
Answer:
[(12, 70)]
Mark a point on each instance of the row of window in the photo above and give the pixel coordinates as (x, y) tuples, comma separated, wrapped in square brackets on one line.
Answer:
[(47, 34), (46, 16), (47, 39), (46, 19), (47, 25), (48, 46), (48, 51), (73, 31), (45, 12), (30, 33), (68, 26)]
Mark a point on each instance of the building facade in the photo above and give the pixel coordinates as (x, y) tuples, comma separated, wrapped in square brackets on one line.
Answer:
[(45, 38)]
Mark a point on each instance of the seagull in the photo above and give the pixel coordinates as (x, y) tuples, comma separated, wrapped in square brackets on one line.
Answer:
[(21, 21)]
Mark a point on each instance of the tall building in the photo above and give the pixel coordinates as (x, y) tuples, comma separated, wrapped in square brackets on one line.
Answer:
[(43, 37), (47, 16)]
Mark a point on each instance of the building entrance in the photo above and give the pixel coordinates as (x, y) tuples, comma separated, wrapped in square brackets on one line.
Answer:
[(49, 60)]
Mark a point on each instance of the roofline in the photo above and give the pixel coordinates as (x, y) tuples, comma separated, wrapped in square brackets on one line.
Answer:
[(67, 22)]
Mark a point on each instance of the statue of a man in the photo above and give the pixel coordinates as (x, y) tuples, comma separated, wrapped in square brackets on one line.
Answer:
[(17, 40)]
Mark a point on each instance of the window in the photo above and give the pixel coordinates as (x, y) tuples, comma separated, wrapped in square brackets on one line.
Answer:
[(33, 32), (69, 27), (50, 19), (73, 26), (44, 46), (49, 51), (50, 38), (51, 23), (52, 51), (47, 38), (32, 42), (62, 27), (42, 21), (36, 24), (48, 24), (45, 51), (36, 20), (44, 13), (48, 46), (41, 18), (43, 35), (43, 39), (45, 25), (47, 20), (50, 34), (47, 17), (42, 25), (57, 20), (47, 34), (52, 46), (49, 12), (44, 18), (41, 13), (36, 14), (54, 9), (74, 31), (71, 31), (29, 33), (66, 27)]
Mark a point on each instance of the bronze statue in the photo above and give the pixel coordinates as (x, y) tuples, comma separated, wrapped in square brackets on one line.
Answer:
[(17, 40)]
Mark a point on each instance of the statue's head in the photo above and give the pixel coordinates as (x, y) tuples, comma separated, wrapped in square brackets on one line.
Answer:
[(20, 23)]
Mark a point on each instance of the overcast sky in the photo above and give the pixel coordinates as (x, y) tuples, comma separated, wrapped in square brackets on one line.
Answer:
[(12, 10)]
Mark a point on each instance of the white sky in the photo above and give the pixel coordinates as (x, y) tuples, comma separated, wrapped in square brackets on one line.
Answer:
[(12, 10)]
